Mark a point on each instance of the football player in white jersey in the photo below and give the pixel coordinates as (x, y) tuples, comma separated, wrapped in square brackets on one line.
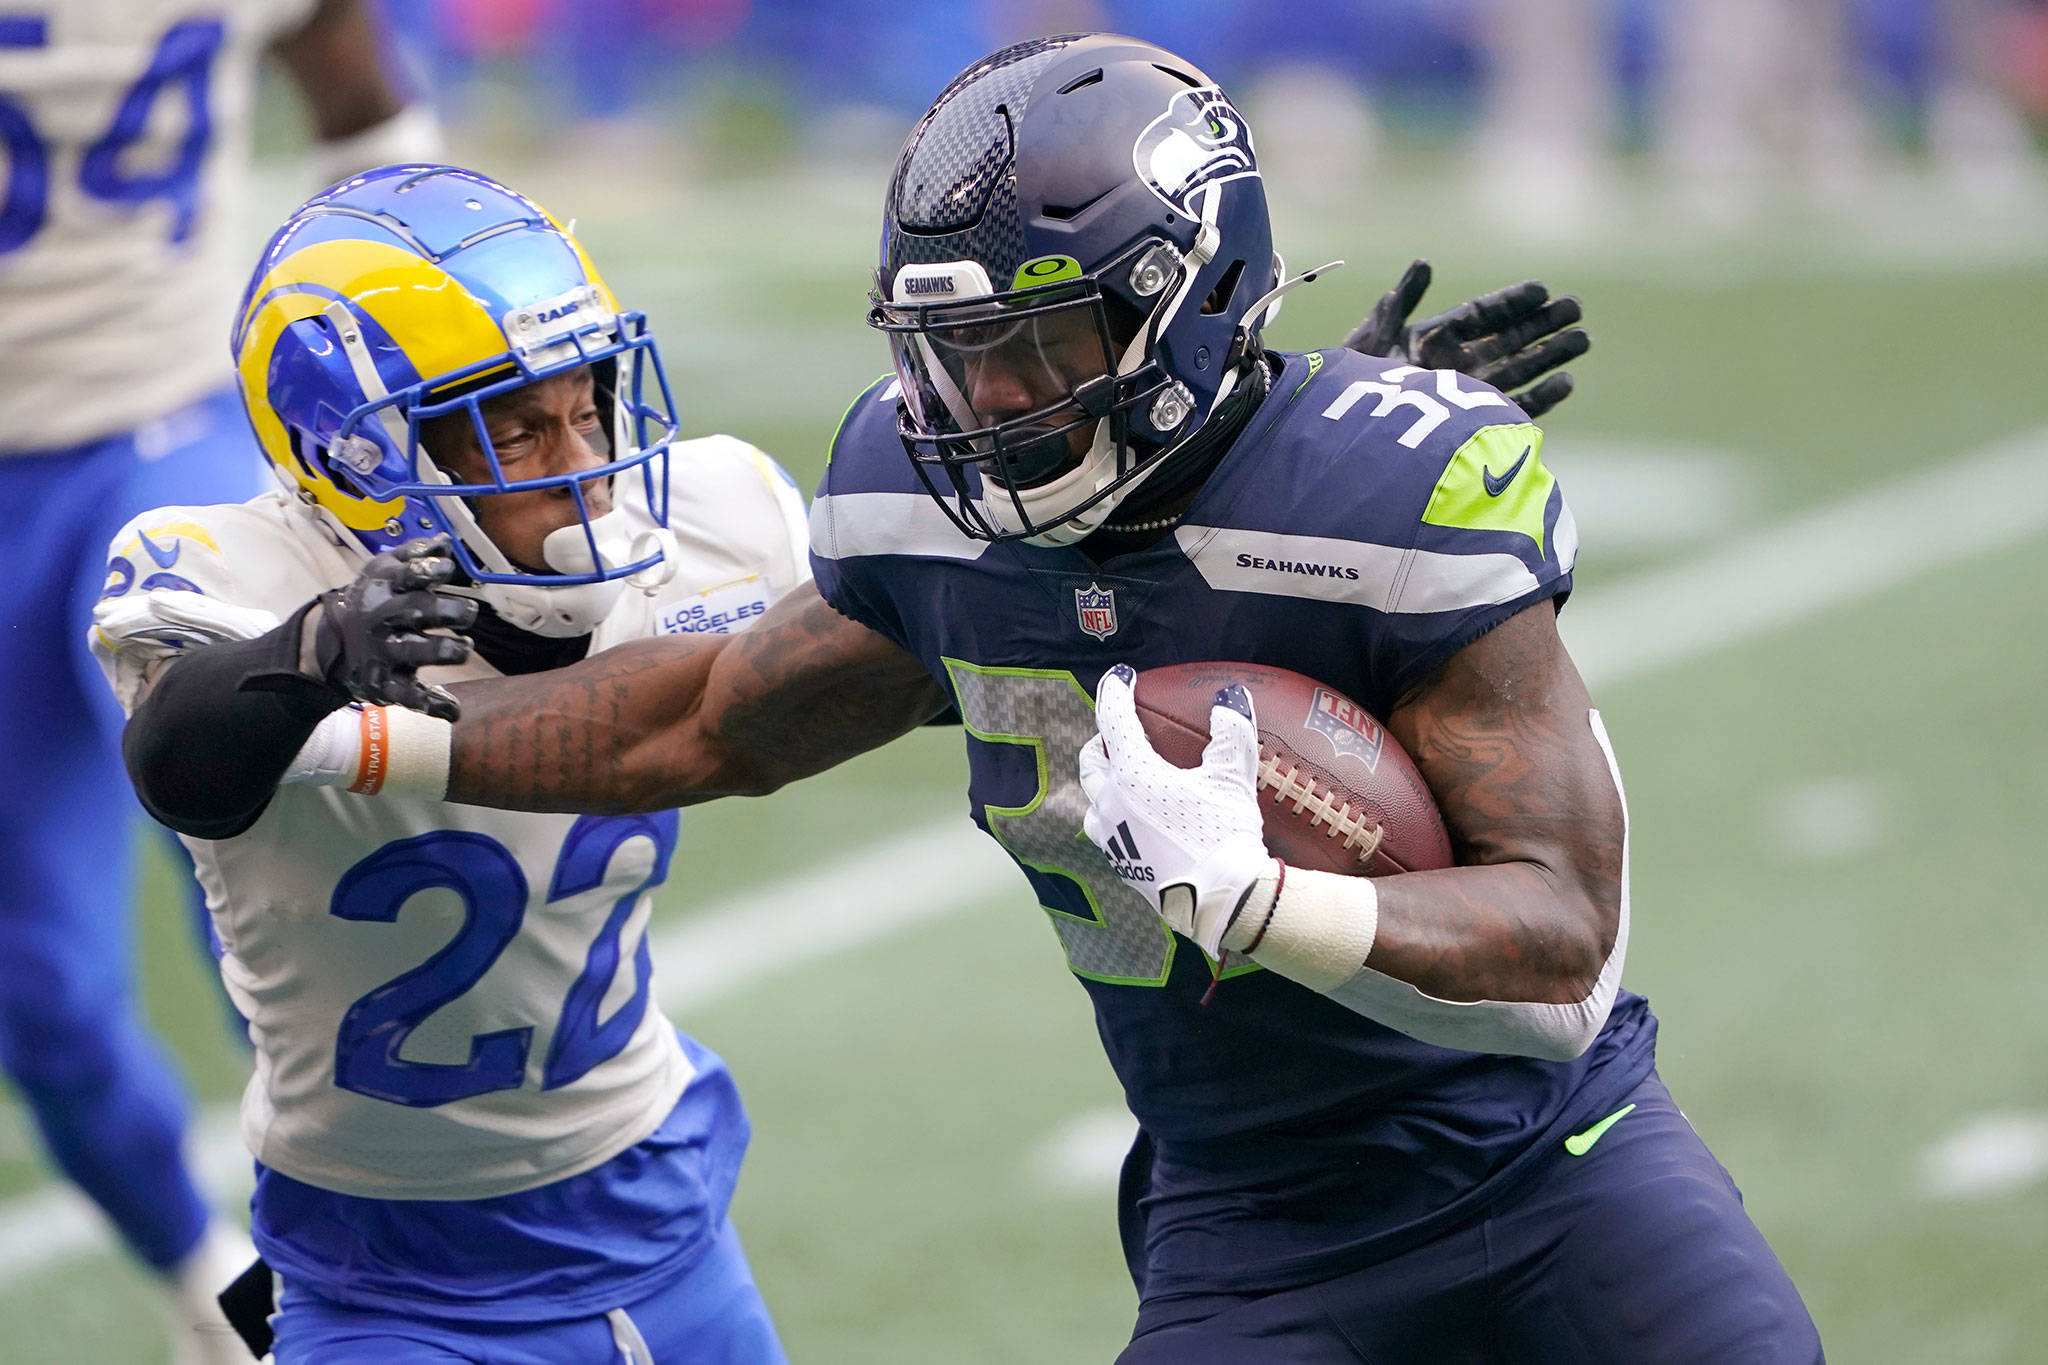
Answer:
[(126, 127), (472, 1124)]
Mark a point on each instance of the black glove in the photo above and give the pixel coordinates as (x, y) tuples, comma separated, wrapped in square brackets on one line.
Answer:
[(370, 640), (1505, 338)]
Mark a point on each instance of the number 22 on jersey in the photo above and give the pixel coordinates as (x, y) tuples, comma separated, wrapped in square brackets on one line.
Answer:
[(487, 879)]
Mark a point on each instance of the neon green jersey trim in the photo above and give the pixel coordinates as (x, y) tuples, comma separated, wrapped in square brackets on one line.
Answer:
[(1495, 482), (844, 417), (995, 816), (1315, 363), (1578, 1144)]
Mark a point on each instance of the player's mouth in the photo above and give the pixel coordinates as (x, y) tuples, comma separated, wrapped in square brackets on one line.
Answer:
[(1039, 453)]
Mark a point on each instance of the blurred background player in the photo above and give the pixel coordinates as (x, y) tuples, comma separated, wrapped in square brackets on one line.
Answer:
[(474, 1131), (127, 126), (1796, 100)]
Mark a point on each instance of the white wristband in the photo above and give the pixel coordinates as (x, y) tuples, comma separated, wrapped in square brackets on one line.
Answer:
[(411, 134), (331, 754), (375, 750), (1321, 928)]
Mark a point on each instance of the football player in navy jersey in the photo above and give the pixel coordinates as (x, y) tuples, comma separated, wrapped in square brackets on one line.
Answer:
[(1418, 1120)]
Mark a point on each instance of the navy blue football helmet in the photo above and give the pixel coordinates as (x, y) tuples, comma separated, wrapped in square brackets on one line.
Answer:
[(1076, 263)]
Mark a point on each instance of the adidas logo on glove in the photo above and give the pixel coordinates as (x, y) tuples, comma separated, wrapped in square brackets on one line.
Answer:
[(1122, 849)]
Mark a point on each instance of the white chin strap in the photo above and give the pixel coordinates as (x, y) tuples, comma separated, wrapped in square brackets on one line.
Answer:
[(569, 610), (1268, 303), (1080, 483), (1098, 469)]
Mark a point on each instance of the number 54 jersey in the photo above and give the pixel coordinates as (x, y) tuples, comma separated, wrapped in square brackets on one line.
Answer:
[(1369, 521), (449, 1002), (126, 126)]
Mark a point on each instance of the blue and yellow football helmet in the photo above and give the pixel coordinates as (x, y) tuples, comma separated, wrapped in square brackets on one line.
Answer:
[(411, 292)]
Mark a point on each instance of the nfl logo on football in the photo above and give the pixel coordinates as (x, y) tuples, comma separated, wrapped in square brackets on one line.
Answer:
[(1095, 606), (1351, 730)]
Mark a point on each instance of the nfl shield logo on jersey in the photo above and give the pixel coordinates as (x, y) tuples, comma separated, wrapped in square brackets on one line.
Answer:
[(1095, 606)]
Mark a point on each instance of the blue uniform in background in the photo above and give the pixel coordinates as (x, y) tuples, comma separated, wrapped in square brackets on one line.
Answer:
[(71, 1032), (1286, 1142)]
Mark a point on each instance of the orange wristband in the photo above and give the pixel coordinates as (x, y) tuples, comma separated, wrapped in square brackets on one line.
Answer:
[(375, 759)]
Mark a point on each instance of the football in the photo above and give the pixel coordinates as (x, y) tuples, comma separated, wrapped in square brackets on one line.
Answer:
[(1338, 792)]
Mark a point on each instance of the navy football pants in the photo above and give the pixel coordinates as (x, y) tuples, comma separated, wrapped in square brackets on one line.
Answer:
[(71, 1036), (1636, 1253)]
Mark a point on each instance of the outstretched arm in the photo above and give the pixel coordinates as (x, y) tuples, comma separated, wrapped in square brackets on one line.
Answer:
[(678, 720)]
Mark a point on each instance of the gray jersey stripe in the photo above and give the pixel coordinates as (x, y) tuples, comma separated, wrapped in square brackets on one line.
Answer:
[(1383, 577), (1564, 538), (849, 525)]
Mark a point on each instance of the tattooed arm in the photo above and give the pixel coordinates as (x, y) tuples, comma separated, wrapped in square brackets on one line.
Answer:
[(1518, 949), (682, 719), (1503, 737)]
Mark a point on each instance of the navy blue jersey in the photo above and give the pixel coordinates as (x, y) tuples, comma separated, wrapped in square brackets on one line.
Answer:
[(1369, 522)]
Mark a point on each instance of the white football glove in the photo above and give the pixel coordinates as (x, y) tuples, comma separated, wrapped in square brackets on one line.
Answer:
[(149, 629), (1187, 839)]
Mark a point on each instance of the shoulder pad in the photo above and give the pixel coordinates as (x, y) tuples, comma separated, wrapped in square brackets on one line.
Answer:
[(1429, 446), (866, 454), (729, 499), (253, 554)]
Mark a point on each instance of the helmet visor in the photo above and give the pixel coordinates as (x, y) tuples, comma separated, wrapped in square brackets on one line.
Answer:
[(1019, 386)]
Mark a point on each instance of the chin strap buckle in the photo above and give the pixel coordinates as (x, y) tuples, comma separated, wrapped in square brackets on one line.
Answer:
[(655, 576)]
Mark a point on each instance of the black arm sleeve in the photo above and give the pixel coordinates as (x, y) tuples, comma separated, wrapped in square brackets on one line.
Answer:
[(208, 744)]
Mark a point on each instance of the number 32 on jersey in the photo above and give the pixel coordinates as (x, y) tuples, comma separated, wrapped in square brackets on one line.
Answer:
[(1120, 940)]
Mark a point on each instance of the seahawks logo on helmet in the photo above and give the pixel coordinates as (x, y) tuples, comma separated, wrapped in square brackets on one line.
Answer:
[(1200, 140)]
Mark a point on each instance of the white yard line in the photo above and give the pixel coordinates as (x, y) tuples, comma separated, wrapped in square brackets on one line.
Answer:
[(1785, 573), (945, 867), (1987, 1156), (1855, 548)]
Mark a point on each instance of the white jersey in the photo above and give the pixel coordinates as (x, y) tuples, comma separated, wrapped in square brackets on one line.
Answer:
[(126, 126), (450, 1002)]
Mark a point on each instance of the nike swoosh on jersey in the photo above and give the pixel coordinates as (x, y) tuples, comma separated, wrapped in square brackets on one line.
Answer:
[(1497, 486), (164, 557), (1578, 1144)]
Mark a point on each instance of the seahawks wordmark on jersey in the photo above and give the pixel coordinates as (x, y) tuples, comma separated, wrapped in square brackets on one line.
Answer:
[(1370, 521), (448, 1002)]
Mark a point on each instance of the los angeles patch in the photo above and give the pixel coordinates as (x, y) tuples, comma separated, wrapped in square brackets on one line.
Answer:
[(715, 611)]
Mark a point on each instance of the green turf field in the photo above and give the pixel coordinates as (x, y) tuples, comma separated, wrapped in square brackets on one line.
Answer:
[(1838, 821)]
